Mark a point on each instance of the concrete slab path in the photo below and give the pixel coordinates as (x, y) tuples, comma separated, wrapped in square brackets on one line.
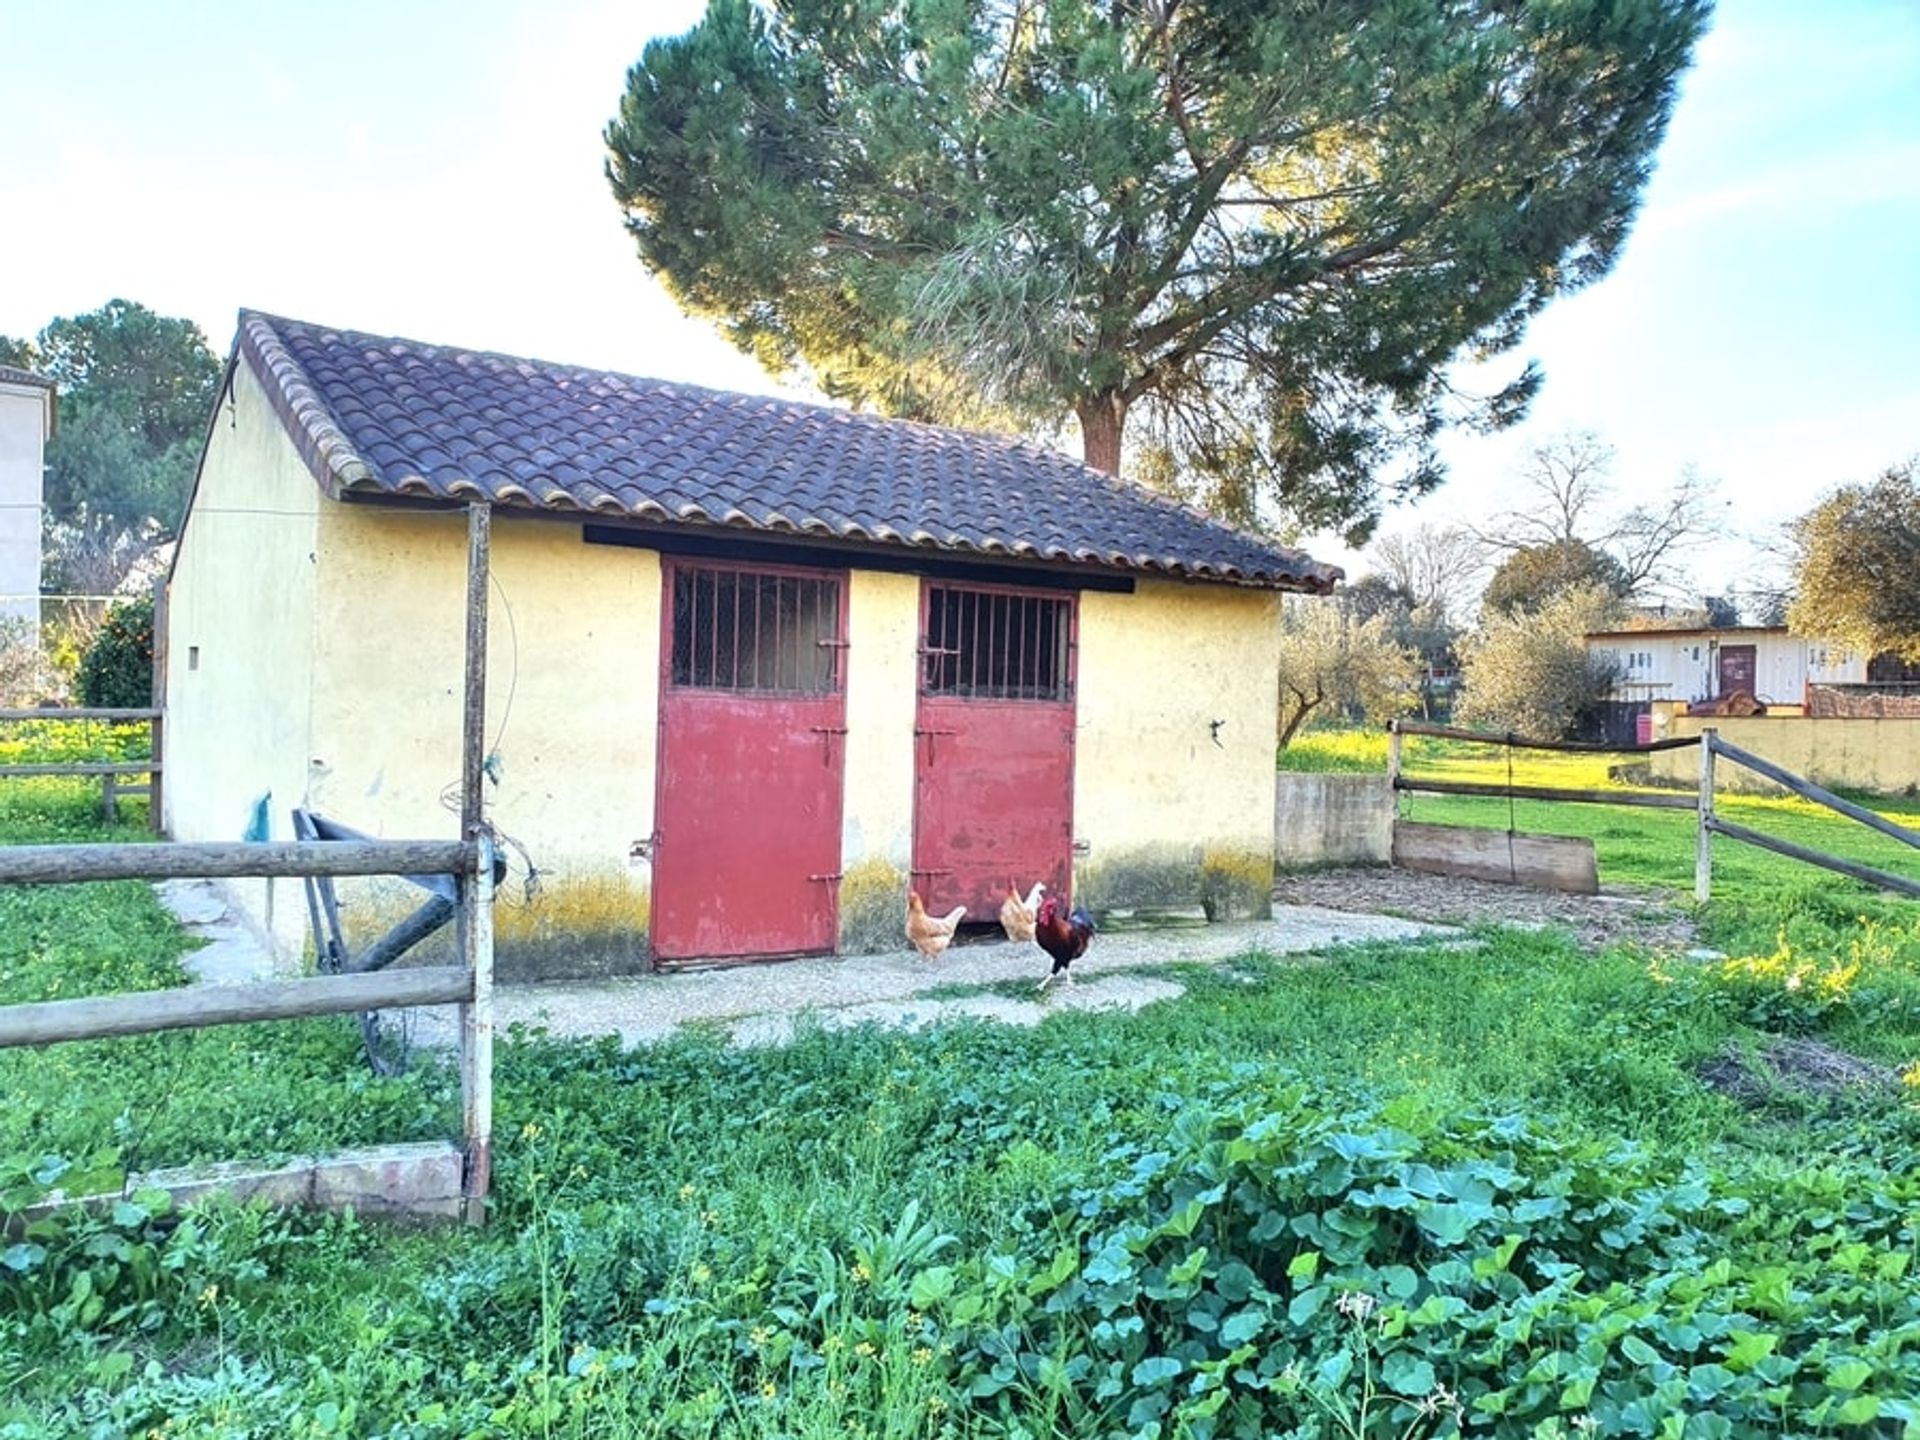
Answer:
[(766, 1004), (762, 1004)]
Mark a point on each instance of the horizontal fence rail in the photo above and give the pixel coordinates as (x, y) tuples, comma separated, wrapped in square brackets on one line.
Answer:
[(72, 864), (1807, 790), (1650, 799), (84, 767), (1700, 799), (1523, 742), (1885, 879), (153, 768), (195, 1007), (68, 712)]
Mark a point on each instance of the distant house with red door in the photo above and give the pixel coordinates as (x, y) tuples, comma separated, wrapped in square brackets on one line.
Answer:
[(755, 667), (1699, 665)]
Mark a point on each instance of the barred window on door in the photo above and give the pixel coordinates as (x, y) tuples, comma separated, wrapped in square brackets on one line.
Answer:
[(765, 634), (995, 645)]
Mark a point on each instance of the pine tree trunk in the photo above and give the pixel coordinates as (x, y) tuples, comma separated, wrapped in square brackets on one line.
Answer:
[(1103, 421)]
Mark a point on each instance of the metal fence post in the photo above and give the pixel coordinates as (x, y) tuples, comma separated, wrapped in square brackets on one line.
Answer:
[(1703, 844)]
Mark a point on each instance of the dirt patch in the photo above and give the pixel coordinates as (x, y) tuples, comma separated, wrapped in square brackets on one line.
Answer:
[(1648, 918), (1807, 1066)]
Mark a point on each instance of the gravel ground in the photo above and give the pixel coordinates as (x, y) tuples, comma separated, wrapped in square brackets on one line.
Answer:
[(1653, 917), (893, 989)]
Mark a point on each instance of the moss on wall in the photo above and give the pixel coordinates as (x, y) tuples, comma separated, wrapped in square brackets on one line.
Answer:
[(576, 928), (873, 908), (581, 927), (1227, 884)]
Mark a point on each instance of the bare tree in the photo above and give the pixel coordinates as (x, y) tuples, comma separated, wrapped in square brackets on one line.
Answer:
[(1438, 567), (1568, 479)]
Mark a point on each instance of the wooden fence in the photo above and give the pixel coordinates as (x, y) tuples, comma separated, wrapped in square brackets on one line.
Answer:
[(469, 860), (109, 771), (1701, 802)]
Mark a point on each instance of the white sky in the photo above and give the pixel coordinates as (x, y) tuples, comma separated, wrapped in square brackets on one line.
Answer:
[(433, 169)]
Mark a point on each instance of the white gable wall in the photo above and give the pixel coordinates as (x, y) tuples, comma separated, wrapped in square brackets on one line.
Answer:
[(240, 646), (24, 412)]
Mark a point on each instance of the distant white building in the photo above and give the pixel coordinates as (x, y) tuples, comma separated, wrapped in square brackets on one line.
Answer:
[(1695, 665), (26, 423)]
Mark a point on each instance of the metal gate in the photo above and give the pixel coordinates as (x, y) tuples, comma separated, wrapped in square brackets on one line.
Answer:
[(752, 761), (993, 754)]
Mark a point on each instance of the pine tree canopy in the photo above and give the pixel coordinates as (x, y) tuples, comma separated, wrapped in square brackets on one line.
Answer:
[(1241, 242)]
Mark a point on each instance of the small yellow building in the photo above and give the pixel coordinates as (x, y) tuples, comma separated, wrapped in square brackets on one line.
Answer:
[(755, 667)]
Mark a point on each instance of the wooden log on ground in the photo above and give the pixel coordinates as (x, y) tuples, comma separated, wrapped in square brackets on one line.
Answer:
[(1541, 862), (1646, 799), (1521, 742), (69, 864), (1807, 790), (194, 1007), (1884, 879)]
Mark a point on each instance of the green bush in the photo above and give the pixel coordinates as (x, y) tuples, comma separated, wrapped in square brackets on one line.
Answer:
[(117, 670)]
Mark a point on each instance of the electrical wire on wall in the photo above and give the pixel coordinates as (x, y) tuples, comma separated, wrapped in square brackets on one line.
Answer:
[(453, 795)]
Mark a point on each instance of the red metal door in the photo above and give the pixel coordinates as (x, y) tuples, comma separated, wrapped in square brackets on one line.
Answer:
[(993, 759), (1736, 668), (751, 764)]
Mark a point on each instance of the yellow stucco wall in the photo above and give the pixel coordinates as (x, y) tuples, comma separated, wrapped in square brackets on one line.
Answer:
[(240, 619), (876, 849), (572, 711), (1167, 816), (330, 642), (1878, 755)]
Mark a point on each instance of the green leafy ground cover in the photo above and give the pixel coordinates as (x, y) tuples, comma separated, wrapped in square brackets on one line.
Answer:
[(1401, 1191)]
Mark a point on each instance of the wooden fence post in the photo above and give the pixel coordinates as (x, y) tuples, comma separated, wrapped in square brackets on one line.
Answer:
[(476, 1036), (1393, 763), (476, 891), (1703, 843)]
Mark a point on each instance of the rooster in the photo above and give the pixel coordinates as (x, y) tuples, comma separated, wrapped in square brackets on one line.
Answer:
[(930, 934), (1016, 915), (1065, 940)]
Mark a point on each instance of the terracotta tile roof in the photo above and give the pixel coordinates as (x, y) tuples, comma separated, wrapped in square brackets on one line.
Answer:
[(398, 417)]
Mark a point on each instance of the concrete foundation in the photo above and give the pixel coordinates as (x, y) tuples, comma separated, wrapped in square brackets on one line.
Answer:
[(1332, 820), (404, 1182)]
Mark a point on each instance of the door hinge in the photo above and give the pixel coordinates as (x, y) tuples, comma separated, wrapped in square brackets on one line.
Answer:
[(828, 729), (836, 875)]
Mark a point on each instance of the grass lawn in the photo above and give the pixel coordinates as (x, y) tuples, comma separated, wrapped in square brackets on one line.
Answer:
[(1634, 846), (1379, 1193)]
